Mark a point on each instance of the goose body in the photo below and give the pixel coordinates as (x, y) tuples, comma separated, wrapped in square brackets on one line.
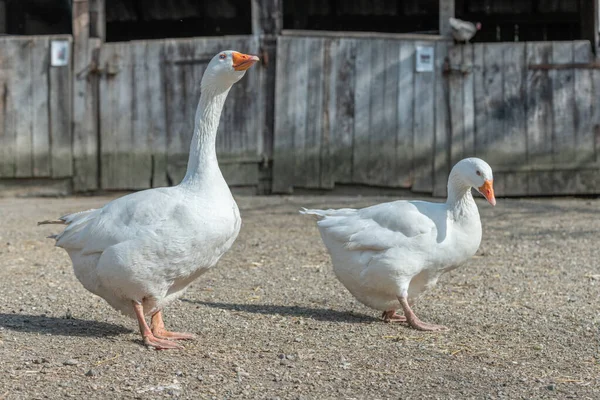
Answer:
[(141, 251), (388, 254)]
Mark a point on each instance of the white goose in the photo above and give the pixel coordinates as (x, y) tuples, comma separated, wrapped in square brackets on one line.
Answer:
[(141, 251), (386, 255)]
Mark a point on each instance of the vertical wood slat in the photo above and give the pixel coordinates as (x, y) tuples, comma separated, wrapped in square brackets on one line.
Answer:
[(360, 147), (491, 141), (563, 138), (157, 129), (584, 104), (441, 164), (342, 126), (314, 114), (329, 106), (386, 165), (375, 154), (457, 104), (22, 90), (10, 49), (85, 97), (116, 112), (283, 135), (539, 105), (514, 84), (60, 102), (298, 103), (423, 129), (40, 124), (405, 115)]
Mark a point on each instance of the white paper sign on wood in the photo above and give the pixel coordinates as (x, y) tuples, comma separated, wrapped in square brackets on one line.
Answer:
[(59, 53), (424, 59)]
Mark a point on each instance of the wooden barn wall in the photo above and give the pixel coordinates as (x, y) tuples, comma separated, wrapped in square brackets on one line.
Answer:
[(354, 111), (35, 110), (149, 91), (538, 129)]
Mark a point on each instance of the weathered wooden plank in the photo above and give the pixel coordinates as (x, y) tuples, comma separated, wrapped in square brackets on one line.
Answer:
[(362, 110), (298, 104), (85, 97), (22, 89), (385, 151), (469, 106), (344, 70), (314, 113), (118, 149), (424, 129), (539, 105), (140, 150), (584, 103), (441, 161), (10, 50), (489, 104), (405, 114), (283, 140), (61, 134), (563, 102), (329, 107), (157, 129), (515, 128), (457, 106), (40, 129), (182, 100), (374, 165)]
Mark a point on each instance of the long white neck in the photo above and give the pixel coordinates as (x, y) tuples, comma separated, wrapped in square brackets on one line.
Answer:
[(460, 200), (202, 162)]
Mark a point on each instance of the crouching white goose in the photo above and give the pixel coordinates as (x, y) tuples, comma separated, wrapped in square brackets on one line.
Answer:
[(386, 255), (141, 251)]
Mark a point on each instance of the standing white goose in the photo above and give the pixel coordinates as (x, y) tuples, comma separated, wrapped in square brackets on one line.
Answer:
[(386, 255), (141, 251)]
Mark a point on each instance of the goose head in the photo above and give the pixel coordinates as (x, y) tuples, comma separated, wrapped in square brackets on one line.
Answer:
[(476, 173), (226, 68)]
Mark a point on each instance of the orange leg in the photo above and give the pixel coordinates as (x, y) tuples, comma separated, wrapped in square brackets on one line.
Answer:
[(158, 328), (391, 316), (415, 322), (149, 338)]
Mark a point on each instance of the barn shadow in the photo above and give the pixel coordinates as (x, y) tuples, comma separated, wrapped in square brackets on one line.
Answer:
[(59, 326), (319, 314)]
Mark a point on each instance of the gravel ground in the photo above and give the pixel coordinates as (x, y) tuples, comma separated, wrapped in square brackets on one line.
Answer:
[(273, 322)]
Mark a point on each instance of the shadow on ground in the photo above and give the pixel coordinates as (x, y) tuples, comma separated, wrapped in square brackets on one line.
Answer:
[(60, 326), (318, 314)]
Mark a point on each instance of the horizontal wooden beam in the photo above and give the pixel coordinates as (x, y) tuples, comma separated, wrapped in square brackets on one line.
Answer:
[(360, 35)]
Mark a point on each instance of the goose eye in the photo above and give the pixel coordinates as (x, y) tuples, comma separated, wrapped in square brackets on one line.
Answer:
[(222, 56), (478, 173)]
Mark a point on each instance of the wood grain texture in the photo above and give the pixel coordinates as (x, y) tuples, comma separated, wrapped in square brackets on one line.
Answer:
[(563, 102), (539, 105), (22, 94), (441, 162), (283, 135), (362, 112), (405, 115), (424, 128), (61, 108), (40, 121), (10, 49)]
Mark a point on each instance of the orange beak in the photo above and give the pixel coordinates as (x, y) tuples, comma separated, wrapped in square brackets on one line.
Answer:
[(487, 190), (242, 62)]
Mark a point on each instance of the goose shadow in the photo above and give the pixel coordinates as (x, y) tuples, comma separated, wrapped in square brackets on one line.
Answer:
[(318, 314), (60, 326)]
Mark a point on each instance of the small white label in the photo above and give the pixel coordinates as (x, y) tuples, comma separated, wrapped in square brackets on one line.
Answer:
[(59, 53), (424, 59)]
